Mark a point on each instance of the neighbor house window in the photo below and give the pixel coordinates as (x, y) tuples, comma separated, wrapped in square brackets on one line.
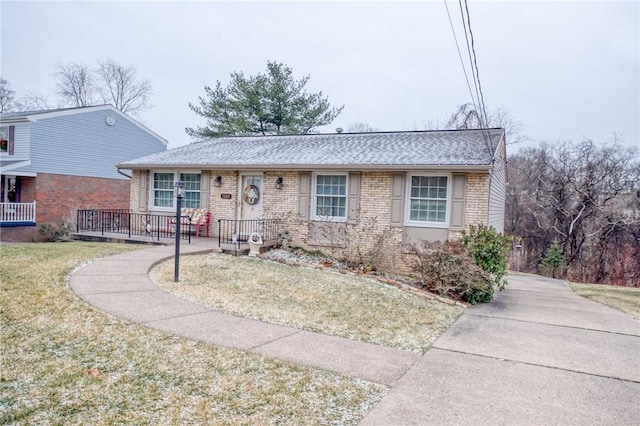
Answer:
[(428, 200), (330, 196), (4, 139), (163, 191)]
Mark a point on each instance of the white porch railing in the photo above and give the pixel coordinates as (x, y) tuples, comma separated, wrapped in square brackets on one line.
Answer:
[(18, 212)]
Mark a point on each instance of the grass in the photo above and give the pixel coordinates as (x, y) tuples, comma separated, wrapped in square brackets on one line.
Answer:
[(625, 299), (328, 302), (64, 362)]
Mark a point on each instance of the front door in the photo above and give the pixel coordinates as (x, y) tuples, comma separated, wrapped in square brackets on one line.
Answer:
[(251, 197)]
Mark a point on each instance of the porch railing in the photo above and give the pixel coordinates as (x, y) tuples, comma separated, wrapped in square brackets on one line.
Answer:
[(124, 222), (18, 212), (236, 233)]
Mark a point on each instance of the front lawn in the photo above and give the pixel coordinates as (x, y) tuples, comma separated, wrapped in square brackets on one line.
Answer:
[(328, 302), (64, 362), (625, 299)]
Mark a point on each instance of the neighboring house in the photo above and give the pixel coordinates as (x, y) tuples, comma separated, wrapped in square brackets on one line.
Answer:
[(403, 186), (53, 162)]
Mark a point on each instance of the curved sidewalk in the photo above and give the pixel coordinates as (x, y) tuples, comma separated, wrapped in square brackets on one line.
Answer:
[(120, 286), (538, 354)]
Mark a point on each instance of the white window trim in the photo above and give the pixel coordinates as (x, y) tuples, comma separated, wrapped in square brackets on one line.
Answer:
[(407, 205), (314, 197), (176, 176)]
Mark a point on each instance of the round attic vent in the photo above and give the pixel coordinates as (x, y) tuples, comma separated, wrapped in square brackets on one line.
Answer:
[(110, 120)]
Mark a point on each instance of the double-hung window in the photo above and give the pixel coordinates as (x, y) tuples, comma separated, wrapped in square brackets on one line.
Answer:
[(163, 192), (192, 190), (163, 189), (428, 200), (330, 197)]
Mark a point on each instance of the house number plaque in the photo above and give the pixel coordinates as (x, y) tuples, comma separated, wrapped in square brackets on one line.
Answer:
[(225, 196)]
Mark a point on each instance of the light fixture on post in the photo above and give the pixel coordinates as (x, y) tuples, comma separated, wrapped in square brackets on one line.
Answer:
[(217, 181), (279, 182), (179, 188)]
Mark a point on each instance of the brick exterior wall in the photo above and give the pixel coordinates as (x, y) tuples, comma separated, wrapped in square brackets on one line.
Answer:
[(371, 232), (219, 207), (477, 199), (59, 196)]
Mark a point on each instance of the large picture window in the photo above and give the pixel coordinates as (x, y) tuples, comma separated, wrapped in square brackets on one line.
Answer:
[(163, 194), (428, 200), (330, 195)]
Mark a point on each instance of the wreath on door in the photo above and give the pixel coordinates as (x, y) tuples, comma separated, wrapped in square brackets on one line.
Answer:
[(251, 195)]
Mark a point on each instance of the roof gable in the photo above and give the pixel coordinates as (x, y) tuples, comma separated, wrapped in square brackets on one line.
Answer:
[(34, 116), (456, 148)]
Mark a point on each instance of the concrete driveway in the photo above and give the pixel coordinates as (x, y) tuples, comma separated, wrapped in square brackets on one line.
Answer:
[(537, 355)]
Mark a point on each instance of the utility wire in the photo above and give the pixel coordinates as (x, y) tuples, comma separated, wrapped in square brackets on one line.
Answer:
[(475, 80), (483, 117), (464, 69), (475, 63)]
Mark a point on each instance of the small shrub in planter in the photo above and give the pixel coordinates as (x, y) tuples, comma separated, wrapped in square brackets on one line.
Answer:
[(446, 268)]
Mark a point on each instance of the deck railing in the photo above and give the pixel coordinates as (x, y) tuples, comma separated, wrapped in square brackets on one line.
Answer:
[(236, 233), (18, 212), (124, 222)]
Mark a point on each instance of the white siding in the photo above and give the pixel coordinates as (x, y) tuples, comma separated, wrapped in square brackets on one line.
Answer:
[(498, 189), (21, 146)]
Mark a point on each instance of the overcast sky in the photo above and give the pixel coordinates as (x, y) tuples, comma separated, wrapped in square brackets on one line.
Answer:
[(565, 70)]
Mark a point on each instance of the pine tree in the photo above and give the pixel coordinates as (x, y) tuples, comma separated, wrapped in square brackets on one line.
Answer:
[(553, 260)]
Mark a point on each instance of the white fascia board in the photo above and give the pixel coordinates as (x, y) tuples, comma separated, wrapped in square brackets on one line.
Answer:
[(16, 165)]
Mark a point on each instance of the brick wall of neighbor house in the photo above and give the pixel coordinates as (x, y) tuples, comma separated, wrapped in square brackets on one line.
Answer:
[(27, 190), (59, 196), (19, 234)]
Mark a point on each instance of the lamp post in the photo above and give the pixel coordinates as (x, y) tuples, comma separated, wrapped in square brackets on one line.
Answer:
[(179, 187)]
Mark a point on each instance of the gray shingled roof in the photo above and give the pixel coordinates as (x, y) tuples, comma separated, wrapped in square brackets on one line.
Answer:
[(18, 114), (339, 150)]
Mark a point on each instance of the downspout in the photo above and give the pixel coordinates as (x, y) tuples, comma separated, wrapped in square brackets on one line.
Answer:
[(122, 173)]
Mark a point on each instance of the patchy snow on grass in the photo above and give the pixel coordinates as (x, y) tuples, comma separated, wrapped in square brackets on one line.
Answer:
[(320, 300)]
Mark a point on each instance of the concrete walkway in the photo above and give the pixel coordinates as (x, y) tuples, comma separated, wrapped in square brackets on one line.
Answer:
[(537, 355)]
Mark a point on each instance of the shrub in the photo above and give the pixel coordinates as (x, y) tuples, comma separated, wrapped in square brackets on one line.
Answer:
[(56, 233), (489, 250), (446, 268)]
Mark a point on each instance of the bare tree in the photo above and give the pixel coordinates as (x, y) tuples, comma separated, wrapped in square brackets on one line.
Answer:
[(581, 195), (466, 117), (34, 101), (75, 83), (120, 86), (7, 96), (359, 127)]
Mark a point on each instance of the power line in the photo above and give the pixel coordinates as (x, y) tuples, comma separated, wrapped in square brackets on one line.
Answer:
[(464, 69), (475, 80), (475, 63)]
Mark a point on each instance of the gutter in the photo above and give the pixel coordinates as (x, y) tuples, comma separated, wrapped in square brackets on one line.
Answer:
[(298, 167)]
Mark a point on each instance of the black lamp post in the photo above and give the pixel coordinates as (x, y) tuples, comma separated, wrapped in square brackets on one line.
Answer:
[(179, 187)]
